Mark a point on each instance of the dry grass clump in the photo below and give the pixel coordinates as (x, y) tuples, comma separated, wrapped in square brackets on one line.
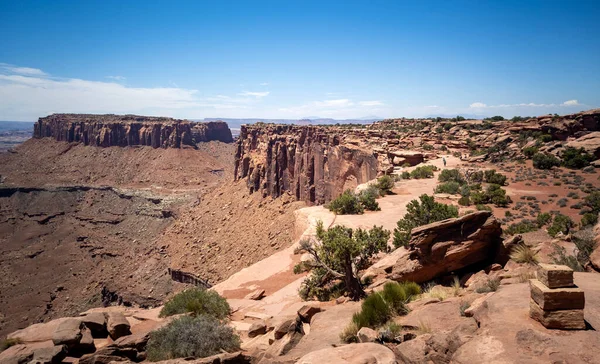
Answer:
[(524, 254)]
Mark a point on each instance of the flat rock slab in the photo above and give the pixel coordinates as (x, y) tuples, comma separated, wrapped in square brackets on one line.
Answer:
[(555, 276), (557, 298), (559, 319), (352, 353)]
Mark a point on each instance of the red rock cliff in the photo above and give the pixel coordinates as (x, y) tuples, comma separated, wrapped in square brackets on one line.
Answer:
[(128, 130), (312, 163)]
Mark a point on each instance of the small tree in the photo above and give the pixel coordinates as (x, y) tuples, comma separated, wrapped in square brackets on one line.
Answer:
[(421, 212), (341, 253), (385, 184)]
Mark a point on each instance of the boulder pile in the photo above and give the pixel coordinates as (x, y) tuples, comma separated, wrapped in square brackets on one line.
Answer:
[(555, 300)]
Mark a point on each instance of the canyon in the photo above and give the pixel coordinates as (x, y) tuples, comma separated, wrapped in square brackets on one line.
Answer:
[(110, 213)]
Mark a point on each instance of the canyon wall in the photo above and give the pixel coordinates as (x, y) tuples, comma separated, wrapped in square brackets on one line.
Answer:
[(312, 163), (129, 130)]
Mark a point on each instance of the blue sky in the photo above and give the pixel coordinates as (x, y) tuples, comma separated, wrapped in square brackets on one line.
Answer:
[(279, 59)]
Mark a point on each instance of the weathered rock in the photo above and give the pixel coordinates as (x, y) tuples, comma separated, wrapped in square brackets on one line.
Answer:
[(257, 329), (307, 312), (284, 327), (367, 335), (477, 305), (595, 258), (589, 142), (557, 298), (96, 322), (108, 354), (559, 319), (69, 332), (256, 295), (53, 355), (555, 276), (129, 130), (353, 353), (309, 162), (117, 325), (446, 246)]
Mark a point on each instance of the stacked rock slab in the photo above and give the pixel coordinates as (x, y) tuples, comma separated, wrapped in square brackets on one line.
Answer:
[(555, 300)]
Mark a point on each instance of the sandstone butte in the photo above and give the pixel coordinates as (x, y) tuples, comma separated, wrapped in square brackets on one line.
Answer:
[(193, 208)]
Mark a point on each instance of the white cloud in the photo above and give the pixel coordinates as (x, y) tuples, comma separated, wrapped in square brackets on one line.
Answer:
[(29, 96), (478, 105), (27, 71), (571, 103), (254, 94), (334, 103), (371, 103), (116, 78), (264, 84)]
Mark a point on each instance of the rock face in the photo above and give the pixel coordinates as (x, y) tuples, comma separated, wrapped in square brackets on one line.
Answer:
[(308, 162), (129, 130), (447, 246)]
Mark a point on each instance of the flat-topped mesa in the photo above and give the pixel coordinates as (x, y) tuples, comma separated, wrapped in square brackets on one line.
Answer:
[(129, 130), (312, 163)]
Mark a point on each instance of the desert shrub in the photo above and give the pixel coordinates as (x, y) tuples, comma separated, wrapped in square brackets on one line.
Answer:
[(374, 312), (476, 176), (491, 176), (196, 337), (197, 301), (589, 219), (497, 195), (450, 187), (545, 161), (405, 175), (482, 207), (530, 152), (491, 285), (7, 343), (346, 204), (451, 175), (464, 201), (411, 288), (395, 297), (576, 158), (367, 198), (463, 307), (349, 335), (421, 212), (559, 256), (562, 202), (385, 184), (593, 201), (340, 255), (560, 224), (521, 227), (423, 172), (427, 146), (523, 254), (543, 219)]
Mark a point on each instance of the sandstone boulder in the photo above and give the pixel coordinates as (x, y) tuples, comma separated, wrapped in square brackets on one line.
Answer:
[(257, 329), (96, 322), (307, 312), (367, 335), (589, 142), (353, 353), (256, 295), (117, 325), (69, 332), (449, 245)]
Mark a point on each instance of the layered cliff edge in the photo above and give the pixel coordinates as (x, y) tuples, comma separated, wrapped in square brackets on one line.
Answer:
[(129, 130)]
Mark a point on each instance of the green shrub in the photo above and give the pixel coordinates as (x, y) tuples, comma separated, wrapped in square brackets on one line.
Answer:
[(427, 146), (394, 295), (385, 184), (559, 256), (593, 201), (367, 198), (529, 152), (464, 201), (349, 335), (7, 343), (561, 224), (405, 175), (421, 212), (423, 172), (576, 158), (477, 176), (545, 161), (411, 288), (589, 219), (450, 187), (197, 301), (543, 219), (346, 204), (374, 312), (491, 176), (521, 227), (481, 207), (196, 337), (451, 175)]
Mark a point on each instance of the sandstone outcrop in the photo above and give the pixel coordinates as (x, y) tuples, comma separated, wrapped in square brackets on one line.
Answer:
[(129, 130), (311, 163), (448, 246), (352, 353)]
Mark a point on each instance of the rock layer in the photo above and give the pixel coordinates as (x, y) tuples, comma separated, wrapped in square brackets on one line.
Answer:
[(129, 130), (308, 162)]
